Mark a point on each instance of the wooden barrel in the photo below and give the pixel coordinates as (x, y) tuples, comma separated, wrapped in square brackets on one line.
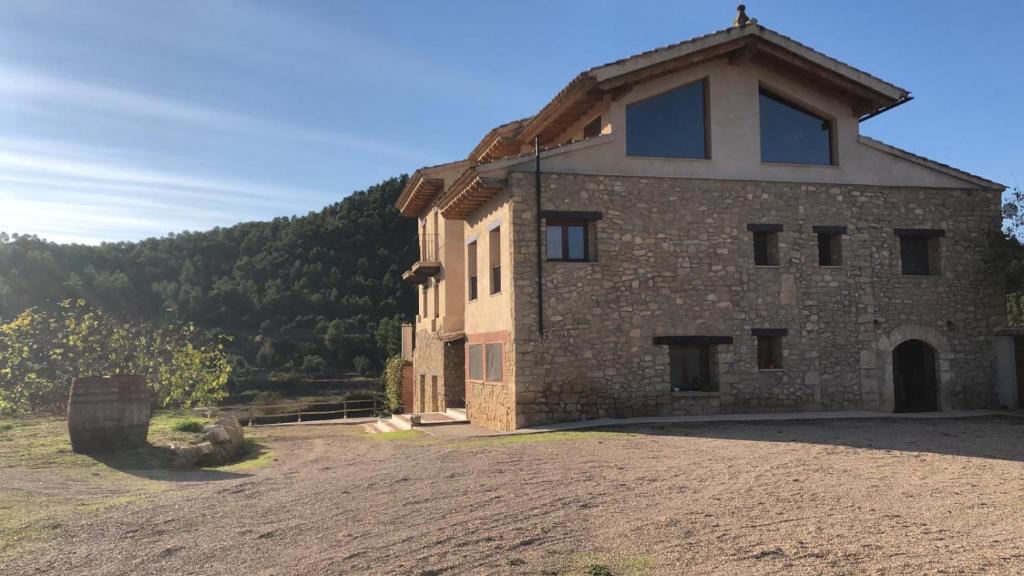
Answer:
[(107, 414)]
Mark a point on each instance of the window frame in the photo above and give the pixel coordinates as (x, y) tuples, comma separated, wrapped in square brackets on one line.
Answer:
[(773, 338), (469, 362), (565, 224), (486, 351), (931, 239), (834, 234), (706, 89), (588, 127), (472, 271), (771, 234), (786, 100), (707, 364), (494, 255)]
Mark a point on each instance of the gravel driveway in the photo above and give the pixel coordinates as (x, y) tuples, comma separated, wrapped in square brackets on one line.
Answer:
[(835, 497)]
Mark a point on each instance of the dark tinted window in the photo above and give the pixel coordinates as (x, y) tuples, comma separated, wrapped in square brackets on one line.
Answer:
[(830, 250), (593, 128), (916, 255), (691, 367), (668, 125), (769, 352), (793, 136), (766, 248)]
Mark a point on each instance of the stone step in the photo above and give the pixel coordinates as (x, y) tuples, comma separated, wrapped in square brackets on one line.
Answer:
[(381, 426), (457, 413)]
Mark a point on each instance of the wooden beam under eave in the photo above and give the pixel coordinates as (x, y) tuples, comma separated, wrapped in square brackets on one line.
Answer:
[(743, 54), (816, 71), (670, 66)]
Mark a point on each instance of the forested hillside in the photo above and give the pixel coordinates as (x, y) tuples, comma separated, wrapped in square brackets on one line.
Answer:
[(316, 293)]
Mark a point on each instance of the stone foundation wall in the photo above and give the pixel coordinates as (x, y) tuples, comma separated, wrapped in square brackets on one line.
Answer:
[(492, 404), (674, 257), (431, 358)]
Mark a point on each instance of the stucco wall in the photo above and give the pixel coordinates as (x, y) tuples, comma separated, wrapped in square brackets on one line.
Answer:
[(675, 258), (734, 135)]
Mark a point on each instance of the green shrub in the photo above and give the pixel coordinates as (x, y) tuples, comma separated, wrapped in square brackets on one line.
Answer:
[(361, 364), (392, 381), (266, 397), (189, 425)]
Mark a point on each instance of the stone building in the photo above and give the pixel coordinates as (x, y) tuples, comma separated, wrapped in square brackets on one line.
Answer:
[(702, 229)]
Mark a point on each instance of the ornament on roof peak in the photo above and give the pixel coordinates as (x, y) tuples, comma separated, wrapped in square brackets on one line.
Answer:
[(741, 17)]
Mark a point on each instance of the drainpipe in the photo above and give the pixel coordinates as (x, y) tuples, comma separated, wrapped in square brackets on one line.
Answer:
[(540, 255)]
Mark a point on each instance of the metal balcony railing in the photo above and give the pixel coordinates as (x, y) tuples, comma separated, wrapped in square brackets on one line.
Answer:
[(430, 247)]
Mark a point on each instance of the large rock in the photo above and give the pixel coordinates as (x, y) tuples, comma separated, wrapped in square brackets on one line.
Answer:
[(226, 442)]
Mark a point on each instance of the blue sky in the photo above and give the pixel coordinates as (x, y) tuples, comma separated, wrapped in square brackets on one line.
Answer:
[(121, 120)]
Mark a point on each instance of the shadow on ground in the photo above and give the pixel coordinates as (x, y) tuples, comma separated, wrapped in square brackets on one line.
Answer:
[(159, 463), (979, 437)]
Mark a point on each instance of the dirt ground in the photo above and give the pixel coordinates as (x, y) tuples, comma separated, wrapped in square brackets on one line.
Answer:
[(838, 497)]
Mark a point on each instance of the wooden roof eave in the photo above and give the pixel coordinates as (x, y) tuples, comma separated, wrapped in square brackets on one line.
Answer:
[(472, 192), (419, 193)]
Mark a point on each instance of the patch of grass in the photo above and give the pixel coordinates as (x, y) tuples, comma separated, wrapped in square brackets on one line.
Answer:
[(255, 455), (189, 425), (6, 426), (609, 565)]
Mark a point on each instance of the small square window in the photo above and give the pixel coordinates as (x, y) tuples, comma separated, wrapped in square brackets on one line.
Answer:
[(919, 255), (766, 248), (830, 249), (568, 241), (592, 129), (692, 367), (476, 362), (769, 352)]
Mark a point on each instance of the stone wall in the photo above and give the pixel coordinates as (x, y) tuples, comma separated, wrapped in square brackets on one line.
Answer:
[(492, 404), (674, 257), (431, 358)]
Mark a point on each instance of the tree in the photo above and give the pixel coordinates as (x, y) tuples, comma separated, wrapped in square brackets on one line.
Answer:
[(1005, 259), (42, 351), (389, 335), (339, 268)]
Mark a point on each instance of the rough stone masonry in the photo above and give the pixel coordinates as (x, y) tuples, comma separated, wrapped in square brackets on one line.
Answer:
[(674, 257)]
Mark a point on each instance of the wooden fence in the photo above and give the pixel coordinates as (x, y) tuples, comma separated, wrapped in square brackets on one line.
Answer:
[(341, 408)]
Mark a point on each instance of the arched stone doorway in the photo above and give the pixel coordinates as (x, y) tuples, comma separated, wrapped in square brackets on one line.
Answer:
[(915, 377)]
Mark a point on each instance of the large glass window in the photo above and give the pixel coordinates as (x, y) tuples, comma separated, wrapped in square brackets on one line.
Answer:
[(476, 362), (691, 367), (790, 135), (670, 125), (494, 362)]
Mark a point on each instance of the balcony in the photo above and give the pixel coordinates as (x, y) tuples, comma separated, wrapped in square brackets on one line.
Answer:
[(429, 263)]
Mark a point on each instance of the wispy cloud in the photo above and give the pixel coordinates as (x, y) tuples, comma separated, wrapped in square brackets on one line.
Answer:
[(31, 90), (71, 193)]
